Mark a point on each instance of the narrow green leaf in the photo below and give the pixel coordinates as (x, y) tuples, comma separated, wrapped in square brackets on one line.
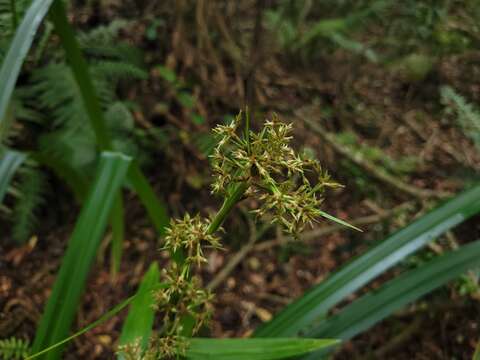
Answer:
[(155, 208), (78, 259), (338, 221), (253, 349), (408, 287), (80, 71), (118, 233), (21, 43), (321, 298), (89, 327), (139, 321), (10, 160)]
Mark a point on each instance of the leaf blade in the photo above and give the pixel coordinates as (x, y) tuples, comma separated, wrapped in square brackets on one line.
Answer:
[(61, 306), (253, 349), (19, 47), (321, 298), (9, 163), (408, 287), (139, 321)]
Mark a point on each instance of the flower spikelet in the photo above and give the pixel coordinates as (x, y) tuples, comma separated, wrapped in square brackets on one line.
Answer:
[(191, 234), (290, 185)]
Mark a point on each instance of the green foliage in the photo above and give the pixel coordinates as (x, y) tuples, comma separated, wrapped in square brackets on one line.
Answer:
[(313, 306), (10, 161), (139, 322), (82, 248), (467, 116), (32, 188), (68, 143), (410, 286), (181, 93), (14, 349), (253, 349), (298, 29), (55, 91), (376, 155), (106, 316), (17, 51), (10, 14)]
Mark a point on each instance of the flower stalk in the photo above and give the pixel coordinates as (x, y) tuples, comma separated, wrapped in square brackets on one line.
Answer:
[(260, 165)]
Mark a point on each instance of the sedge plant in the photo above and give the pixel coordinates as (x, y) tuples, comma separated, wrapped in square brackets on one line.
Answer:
[(245, 164)]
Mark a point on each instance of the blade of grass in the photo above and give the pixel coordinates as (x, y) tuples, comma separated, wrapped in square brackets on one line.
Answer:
[(118, 232), (253, 349), (321, 298), (79, 257), (101, 320), (21, 43), (408, 287), (155, 208), (10, 160), (139, 321), (79, 68)]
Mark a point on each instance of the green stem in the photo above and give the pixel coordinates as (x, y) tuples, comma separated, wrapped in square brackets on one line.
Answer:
[(188, 321), (155, 209), (79, 67), (227, 206)]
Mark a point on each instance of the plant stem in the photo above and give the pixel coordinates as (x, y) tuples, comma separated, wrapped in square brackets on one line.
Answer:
[(188, 321), (227, 206)]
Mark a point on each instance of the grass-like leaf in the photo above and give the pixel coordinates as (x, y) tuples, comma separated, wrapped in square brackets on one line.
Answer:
[(10, 160), (253, 349), (408, 287), (62, 304), (139, 321), (155, 208), (18, 50), (315, 303), (89, 327)]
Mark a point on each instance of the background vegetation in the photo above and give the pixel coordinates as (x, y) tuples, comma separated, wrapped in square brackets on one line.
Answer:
[(106, 111)]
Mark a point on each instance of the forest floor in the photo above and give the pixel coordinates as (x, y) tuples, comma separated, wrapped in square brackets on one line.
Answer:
[(341, 94)]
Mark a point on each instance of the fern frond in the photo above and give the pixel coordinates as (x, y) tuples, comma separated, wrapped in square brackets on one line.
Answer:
[(103, 34), (117, 70), (13, 348), (121, 124), (7, 15), (31, 188), (58, 94), (468, 117)]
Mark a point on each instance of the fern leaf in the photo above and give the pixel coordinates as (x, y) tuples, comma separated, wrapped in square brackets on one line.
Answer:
[(13, 348), (31, 188), (468, 117)]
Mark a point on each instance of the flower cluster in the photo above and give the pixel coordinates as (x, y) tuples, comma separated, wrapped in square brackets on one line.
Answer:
[(182, 296), (191, 235), (184, 305), (260, 164), (274, 172), (166, 347)]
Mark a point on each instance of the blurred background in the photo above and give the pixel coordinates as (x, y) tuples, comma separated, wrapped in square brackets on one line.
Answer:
[(385, 94)]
